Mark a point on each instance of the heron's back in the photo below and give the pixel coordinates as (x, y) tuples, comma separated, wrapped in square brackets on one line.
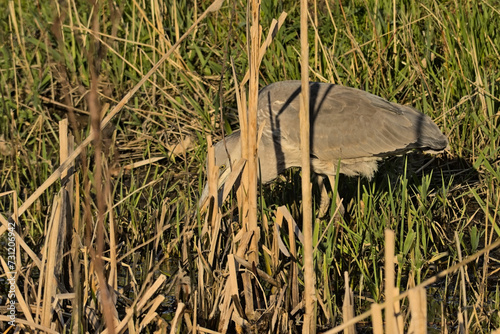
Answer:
[(347, 124)]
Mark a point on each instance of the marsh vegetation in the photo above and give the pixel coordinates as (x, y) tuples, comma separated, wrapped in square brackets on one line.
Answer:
[(101, 172)]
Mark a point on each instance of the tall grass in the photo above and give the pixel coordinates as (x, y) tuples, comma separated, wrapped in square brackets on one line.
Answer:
[(163, 265)]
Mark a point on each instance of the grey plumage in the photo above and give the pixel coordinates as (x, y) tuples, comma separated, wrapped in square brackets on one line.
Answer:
[(347, 125)]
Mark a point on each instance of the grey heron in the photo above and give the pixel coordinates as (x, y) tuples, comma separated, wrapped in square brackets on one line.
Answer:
[(350, 128)]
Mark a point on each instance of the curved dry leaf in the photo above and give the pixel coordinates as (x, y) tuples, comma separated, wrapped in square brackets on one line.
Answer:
[(182, 147)]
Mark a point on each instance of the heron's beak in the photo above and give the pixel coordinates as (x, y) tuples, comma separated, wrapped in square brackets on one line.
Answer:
[(226, 181), (220, 183)]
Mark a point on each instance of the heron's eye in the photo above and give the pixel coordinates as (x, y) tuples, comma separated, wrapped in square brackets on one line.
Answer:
[(222, 167)]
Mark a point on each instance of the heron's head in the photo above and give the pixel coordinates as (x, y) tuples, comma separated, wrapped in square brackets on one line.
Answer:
[(227, 153)]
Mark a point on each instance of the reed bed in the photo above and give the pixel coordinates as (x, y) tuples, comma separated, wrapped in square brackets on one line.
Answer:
[(109, 114)]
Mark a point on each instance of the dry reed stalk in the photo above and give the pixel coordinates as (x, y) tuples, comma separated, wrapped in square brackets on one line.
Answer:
[(201, 282), (51, 253), (309, 274), (206, 330), (316, 36), (214, 235), (462, 312), (195, 312), (66, 145), (151, 314), (242, 116), (348, 306), (226, 309), (232, 283), (418, 306), (255, 33), (108, 308), (487, 240), (65, 148), (273, 30), (175, 322), (142, 163), (245, 236), (113, 263), (246, 278), (394, 30), (377, 321), (391, 292), (278, 309), (277, 245)]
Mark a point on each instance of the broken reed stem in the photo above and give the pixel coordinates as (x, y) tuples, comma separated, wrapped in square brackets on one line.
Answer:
[(309, 278), (253, 252)]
